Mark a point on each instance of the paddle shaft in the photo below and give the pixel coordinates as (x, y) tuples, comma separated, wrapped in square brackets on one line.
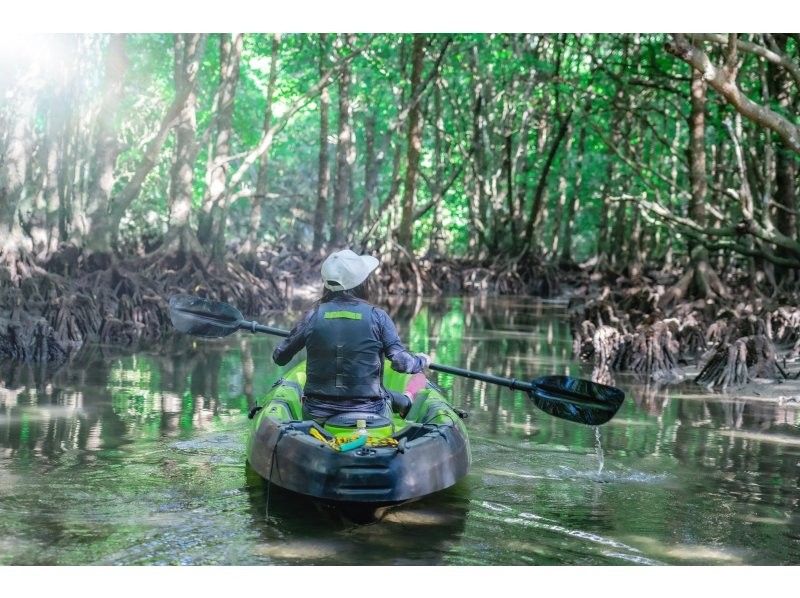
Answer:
[(568, 398), (522, 385), (512, 383), (254, 326), (529, 387)]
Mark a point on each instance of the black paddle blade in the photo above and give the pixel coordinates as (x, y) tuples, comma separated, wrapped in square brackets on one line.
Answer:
[(576, 400), (202, 317)]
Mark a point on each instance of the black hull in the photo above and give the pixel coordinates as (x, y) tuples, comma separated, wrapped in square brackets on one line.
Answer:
[(295, 461)]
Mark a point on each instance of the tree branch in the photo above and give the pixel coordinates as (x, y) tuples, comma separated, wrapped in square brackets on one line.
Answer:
[(724, 82), (398, 122), (153, 150), (300, 103), (772, 54)]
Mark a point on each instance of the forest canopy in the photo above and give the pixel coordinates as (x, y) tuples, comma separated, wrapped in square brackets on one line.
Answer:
[(568, 145)]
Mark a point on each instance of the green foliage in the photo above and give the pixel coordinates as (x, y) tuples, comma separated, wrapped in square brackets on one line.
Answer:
[(627, 95)]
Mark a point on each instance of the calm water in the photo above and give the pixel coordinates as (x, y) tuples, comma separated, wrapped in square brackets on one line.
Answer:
[(139, 459)]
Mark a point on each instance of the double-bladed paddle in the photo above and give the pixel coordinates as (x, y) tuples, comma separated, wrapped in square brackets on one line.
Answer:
[(573, 399)]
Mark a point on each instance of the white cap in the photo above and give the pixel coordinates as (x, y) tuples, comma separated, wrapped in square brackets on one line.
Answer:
[(343, 270)]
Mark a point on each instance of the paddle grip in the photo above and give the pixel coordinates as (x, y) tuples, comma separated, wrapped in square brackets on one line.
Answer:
[(254, 327)]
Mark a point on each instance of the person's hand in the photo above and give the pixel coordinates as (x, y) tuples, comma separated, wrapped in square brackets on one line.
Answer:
[(426, 359)]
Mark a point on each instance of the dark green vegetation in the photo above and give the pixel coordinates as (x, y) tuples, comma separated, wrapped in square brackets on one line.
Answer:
[(138, 458), (136, 166)]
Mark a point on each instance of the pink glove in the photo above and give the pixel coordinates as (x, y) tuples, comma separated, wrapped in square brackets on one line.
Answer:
[(417, 383)]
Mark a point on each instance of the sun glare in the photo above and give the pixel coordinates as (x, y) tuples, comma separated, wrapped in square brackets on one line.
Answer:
[(32, 54)]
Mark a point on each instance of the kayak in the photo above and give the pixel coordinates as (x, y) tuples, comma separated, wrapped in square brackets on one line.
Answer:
[(395, 461)]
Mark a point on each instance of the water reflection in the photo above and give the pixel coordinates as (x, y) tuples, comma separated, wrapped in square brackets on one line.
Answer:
[(138, 458)]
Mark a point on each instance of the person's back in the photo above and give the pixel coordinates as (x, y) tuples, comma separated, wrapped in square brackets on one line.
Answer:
[(346, 341), (343, 351)]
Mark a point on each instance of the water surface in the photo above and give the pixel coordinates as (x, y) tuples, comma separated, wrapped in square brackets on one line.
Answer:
[(139, 459)]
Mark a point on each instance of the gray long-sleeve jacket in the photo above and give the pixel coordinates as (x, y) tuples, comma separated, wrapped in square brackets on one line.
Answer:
[(384, 338), (384, 329)]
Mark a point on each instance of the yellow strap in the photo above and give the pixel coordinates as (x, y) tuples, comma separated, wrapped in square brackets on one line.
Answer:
[(339, 440), (316, 434)]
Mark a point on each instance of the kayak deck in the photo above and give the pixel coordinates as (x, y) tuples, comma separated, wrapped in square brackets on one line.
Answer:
[(403, 458)]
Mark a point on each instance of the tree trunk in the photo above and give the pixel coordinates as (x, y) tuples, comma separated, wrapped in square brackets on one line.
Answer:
[(697, 152), (538, 196), (572, 206), (414, 138), (508, 170), (635, 255), (211, 227), (700, 281), (371, 165), (187, 59), (477, 201), (780, 86), (14, 172), (562, 194), (437, 241), (95, 228), (343, 150), (262, 178), (323, 173), (527, 160), (51, 164), (618, 237)]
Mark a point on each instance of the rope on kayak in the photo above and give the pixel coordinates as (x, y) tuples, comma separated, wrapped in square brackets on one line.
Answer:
[(337, 441)]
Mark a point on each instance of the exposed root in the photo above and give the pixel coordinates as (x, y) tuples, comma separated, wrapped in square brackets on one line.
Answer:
[(735, 364), (690, 337), (700, 281), (122, 304), (608, 345), (522, 275), (654, 351), (29, 338), (17, 266), (639, 327)]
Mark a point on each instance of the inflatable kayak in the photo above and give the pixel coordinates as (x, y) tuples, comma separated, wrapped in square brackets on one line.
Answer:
[(359, 458)]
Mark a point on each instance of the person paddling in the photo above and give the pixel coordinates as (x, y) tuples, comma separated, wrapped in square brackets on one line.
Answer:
[(346, 341)]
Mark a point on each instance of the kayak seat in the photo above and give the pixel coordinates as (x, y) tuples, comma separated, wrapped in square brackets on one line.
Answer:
[(348, 420)]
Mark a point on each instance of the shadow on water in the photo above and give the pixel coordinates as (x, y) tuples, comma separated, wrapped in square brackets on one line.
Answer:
[(295, 529)]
